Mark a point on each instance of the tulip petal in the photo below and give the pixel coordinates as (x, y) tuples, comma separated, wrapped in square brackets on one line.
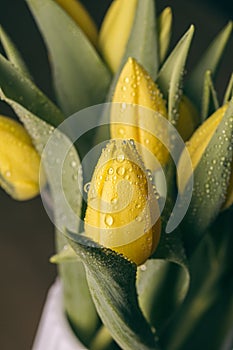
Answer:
[(136, 87), (19, 161), (120, 201)]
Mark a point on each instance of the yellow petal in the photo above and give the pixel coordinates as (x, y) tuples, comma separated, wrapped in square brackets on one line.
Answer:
[(19, 161), (136, 87), (79, 14), (115, 31), (188, 118), (122, 212)]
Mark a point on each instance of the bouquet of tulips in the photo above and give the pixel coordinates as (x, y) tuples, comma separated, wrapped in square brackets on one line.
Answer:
[(135, 163)]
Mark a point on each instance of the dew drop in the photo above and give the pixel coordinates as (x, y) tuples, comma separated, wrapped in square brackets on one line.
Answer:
[(120, 158), (87, 187), (121, 131), (143, 267), (110, 171), (108, 220), (73, 164), (121, 171), (114, 200), (75, 177)]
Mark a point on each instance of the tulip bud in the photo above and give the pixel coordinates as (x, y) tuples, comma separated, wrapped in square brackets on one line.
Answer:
[(79, 14), (19, 161), (115, 31), (197, 145), (135, 87), (122, 212)]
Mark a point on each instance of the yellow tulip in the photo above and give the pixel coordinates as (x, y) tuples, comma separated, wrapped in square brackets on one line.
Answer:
[(136, 87), (115, 31), (197, 145), (122, 211), (79, 14), (19, 161)]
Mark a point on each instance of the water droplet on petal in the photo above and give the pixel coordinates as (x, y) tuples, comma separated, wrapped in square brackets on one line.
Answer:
[(120, 158), (121, 171), (87, 187), (110, 171), (108, 220)]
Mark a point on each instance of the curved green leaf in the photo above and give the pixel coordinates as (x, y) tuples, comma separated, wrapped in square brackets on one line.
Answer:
[(18, 88), (161, 286), (209, 61), (112, 279), (77, 299), (170, 77), (211, 180), (81, 78), (207, 309), (229, 90), (209, 95), (13, 54)]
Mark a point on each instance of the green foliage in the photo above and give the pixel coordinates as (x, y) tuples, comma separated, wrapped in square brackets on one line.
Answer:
[(77, 67), (112, 282)]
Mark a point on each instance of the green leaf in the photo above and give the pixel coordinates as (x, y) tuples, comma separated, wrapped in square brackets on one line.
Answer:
[(13, 54), (81, 78), (164, 32), (209, 94), (112, 279), (18, 88), (229, 91), (143, 42), (170, 77), (161, 286), (76, 295), (211, 180), (209, 61), (207, 309), (66, 205)]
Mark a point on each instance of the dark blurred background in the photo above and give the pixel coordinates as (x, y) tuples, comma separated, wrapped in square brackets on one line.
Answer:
[(26, 234)]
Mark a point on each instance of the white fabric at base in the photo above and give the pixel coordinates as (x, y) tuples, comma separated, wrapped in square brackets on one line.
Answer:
[(54, 332)]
